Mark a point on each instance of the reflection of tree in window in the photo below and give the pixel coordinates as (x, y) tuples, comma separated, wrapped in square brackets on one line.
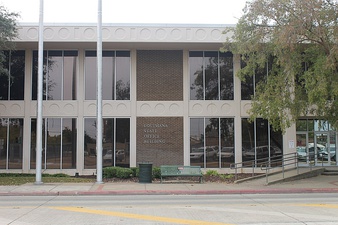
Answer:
[(12, 76), (211, 76), (122, 90), (58, 75)]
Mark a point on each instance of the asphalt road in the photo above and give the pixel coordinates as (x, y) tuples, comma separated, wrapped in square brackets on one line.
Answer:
[(275, 209)]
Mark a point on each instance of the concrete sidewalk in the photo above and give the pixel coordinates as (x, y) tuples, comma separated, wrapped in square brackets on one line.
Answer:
[(317, 184)]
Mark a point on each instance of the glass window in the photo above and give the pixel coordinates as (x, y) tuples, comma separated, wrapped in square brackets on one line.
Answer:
[(197, 141), (11, 136), (12, 78), (115, 143), (69, 145), (115, 75), (59, 75), (211, 75), (122, 75), (208, 138), (301, 125), (211, 142), (58, 143), (90, 143), (249, 84), (260, 143), (226, 76), (227, 149), (196, 75)]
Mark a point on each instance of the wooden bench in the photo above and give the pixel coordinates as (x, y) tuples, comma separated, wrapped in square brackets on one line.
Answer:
[(181, 171)]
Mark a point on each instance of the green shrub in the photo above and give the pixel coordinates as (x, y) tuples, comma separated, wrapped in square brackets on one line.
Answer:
[(118, 172), (124, 173), (109, 172), (212, 173), (156, 172), (136, 171), (55, 175), (226, 176)]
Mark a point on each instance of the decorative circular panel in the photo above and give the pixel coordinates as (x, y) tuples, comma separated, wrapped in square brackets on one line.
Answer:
[(160, 108), (32, 33), (201, 34), (161, 34), (122, 108), (68, 109), (176, 34), (54, 109), (216, 34), (145, 108), (64, 33), (120, 34), (2, 109), (105, 33), (197, 108), (107, 109), (212, 108), (226, 108), (174, 108), (145, 34), (89, 33), (48, 33)]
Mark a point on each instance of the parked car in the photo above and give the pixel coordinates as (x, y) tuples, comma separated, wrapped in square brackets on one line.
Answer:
[(260, 152), (109, 155), (197, 154), (323, 154), (227, 154), (302, 154)]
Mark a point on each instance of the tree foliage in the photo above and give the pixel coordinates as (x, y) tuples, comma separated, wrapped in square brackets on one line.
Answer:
[(296, 41), (8, 31)]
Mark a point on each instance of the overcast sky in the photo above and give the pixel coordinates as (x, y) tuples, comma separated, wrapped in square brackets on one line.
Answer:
[(130, 11)]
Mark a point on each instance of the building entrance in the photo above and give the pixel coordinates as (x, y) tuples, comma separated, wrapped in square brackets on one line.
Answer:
[(316, 148)]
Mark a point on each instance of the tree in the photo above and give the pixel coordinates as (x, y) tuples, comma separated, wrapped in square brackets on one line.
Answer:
[(296, 41), (8, 31)]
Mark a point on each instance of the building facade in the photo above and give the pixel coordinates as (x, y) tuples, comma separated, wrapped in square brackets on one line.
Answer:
[(169, 97)]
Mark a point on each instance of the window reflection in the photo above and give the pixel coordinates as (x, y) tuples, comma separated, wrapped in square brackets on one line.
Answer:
[(58, 143), (260, 143), (115, 75), (12, 78), (212, 142), (211, 75), (59, 75), (115, 143), (11, 148)]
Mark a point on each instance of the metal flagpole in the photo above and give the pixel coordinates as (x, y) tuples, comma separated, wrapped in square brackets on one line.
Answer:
[(39, 101), (99, 96)]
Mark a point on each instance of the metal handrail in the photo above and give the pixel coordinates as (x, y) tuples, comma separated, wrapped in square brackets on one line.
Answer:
[(264, 161), (286, 160)]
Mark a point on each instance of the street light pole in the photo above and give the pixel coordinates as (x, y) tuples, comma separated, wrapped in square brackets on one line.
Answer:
[(99, 96), (39, 101)]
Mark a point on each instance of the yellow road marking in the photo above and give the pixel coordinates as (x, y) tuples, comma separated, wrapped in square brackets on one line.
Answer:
[(138, 216), (321, 205)]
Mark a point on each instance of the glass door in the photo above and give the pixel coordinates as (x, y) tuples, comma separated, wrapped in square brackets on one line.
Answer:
[(326, 148), (321, 147)]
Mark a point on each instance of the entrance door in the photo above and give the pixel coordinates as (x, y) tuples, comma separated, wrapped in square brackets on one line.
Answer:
[(322, 141), (326, 148)]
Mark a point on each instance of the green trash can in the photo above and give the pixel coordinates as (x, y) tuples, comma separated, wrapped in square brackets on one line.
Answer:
[(145, 172)]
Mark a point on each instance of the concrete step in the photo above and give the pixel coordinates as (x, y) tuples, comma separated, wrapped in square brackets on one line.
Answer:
[(330, 172)]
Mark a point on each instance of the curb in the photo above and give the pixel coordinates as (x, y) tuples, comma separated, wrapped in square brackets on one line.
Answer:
[(202, 192)]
